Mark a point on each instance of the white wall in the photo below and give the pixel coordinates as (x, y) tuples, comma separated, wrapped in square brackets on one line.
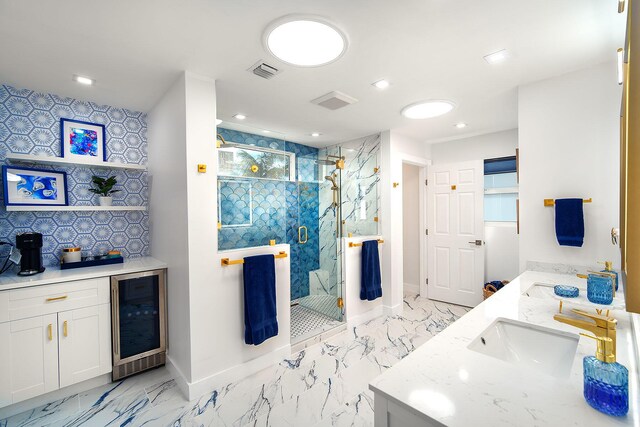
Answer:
[(358, 311), (569, 147), (488, 146), (395, 149), (168, 216), (411, 227), (206, 322)]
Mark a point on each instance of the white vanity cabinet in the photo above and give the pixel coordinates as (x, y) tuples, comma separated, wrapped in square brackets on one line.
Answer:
[(28, 358), (52, 336)]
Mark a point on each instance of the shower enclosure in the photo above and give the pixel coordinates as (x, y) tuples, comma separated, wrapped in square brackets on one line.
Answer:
[(272, 189)]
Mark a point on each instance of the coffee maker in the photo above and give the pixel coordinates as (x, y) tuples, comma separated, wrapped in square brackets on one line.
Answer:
[(30, 245)]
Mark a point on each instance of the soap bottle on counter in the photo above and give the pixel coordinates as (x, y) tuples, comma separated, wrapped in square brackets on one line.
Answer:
[(608, 268), (606, 382), (600, 287)]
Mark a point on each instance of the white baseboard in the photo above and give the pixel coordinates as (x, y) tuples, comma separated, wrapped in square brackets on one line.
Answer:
[(411, 288), (393, 310), (178, 376), (195, 389), (353, 321), (43, 399)]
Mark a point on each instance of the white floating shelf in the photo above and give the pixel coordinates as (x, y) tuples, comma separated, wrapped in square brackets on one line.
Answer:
[(28, 158), (74, 208)]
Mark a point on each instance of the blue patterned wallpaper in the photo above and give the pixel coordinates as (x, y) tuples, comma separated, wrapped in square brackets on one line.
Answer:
[(254, 211), (30, 124)]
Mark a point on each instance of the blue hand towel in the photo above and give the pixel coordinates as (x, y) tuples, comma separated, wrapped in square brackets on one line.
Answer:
[(370, 283), (569, 222), (260, 317)]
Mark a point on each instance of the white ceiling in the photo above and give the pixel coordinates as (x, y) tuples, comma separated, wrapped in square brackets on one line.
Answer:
[(428, 49)]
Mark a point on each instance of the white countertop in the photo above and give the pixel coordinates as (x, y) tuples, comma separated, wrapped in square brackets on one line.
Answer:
[(10, 280), (446, 382)]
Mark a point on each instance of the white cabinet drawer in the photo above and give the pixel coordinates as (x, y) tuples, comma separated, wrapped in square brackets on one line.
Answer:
[(46, 299)]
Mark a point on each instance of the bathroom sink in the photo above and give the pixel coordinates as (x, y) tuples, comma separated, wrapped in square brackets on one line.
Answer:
[(530, 346)]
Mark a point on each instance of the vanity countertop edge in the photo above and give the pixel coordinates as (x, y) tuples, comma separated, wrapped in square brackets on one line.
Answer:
[(446, 383), (51, 275)]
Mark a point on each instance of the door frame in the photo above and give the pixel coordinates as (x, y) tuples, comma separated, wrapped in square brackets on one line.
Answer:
[(422, 164)]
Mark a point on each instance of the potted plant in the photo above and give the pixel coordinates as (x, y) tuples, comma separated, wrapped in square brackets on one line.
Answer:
[(104, 188)]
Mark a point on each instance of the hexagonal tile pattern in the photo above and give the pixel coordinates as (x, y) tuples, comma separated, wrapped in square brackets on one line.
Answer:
[(30, 124), (41, 118), (41, 101)]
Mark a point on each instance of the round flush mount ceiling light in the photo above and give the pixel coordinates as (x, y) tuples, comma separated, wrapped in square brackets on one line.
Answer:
[(427, 109), (305, 41)]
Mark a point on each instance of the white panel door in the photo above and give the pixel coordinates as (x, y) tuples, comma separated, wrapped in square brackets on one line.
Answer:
[(456, 232), (85, 343), (29, 361)]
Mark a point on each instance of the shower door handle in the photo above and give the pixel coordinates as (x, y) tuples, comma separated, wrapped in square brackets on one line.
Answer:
[(306, 235)]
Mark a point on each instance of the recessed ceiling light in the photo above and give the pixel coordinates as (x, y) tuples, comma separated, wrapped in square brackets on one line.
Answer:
[(83, 80), (266, 131), (305, 41), (496, 57), (427, 109), (381, 84), (239, 116), (315, 134), (218, 121), (461, 125)]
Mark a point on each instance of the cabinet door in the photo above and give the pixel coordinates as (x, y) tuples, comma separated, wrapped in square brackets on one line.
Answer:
[(29, 358), (85, 343)]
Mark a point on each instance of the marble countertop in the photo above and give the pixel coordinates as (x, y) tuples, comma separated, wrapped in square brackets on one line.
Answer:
[(10, 280), (446, 382)]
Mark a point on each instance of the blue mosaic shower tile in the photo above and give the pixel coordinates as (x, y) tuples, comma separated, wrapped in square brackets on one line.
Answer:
[(274, 209), (30, 124)]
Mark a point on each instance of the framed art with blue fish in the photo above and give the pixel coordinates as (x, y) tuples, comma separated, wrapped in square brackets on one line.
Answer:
[(82, 141), (34, 187)]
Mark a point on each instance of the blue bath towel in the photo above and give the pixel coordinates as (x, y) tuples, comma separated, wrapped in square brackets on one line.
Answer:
[(370, 283), (260, 317), (569, 222)]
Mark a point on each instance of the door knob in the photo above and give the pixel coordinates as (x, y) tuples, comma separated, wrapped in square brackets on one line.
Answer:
[(476, 242)]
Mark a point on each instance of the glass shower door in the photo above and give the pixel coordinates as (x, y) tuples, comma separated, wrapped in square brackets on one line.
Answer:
[(319, 232)]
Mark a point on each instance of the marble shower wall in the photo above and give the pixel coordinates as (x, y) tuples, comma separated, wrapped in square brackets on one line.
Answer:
[(254, 211), (360, 203)]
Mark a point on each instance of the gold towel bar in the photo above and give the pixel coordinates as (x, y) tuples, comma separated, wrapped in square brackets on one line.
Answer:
[(552, 202), (227, 261), (353, 245)]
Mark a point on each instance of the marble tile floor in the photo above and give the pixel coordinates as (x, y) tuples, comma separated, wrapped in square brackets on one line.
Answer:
[(323, 385)]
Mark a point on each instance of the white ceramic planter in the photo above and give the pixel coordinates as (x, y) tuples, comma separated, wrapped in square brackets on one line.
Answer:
[(106, 201)]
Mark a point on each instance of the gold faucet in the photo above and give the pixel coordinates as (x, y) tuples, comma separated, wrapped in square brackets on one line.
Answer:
[(602, 326)]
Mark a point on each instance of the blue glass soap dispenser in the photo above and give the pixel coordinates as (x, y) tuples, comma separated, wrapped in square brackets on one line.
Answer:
[(606, 382), (608, 268)]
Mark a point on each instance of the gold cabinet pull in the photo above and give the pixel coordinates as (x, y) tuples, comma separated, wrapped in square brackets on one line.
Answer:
[(50, 331), (57, 298), (65, 329)]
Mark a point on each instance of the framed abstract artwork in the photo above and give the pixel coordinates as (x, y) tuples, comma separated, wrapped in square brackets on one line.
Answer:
[(82, 141), (34, 187)]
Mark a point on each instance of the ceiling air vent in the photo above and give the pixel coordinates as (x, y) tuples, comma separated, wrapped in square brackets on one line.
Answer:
[(264, 70), (334, 100)]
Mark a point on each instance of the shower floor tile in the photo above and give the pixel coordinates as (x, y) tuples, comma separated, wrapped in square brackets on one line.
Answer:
[(305, 321), (324, 304)]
